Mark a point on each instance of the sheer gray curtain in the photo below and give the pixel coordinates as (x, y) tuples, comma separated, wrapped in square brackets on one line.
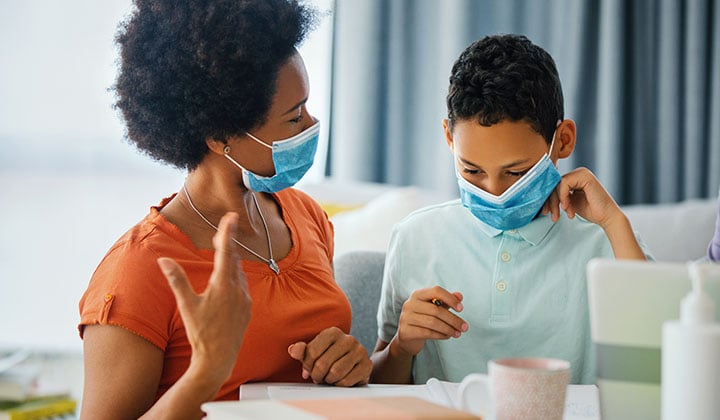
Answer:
[(641, 79)]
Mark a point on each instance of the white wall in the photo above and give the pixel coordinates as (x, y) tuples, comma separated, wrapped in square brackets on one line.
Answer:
[(69, 183)]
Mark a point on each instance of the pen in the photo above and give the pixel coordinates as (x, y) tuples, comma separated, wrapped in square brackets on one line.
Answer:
[(436, 302)]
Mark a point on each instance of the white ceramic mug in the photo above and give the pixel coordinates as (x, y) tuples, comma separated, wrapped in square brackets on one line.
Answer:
[(517, 388)]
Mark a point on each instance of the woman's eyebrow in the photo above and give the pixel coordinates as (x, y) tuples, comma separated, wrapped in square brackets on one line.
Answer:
[(296, 106)]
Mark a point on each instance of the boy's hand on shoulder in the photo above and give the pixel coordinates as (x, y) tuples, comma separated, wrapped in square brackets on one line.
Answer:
[(426, 315), (580, 192)]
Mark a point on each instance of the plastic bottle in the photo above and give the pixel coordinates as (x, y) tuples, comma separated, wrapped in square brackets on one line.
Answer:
[(691, 356)]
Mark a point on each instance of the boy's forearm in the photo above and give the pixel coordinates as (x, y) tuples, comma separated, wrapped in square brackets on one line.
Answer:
[(391, 366), (623, 241)]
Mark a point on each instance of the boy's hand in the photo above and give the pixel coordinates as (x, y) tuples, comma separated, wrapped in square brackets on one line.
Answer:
[(580, 192), (425, 315), (334, 358)]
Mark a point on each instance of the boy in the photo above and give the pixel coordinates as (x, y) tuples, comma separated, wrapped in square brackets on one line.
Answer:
[(504, 256)]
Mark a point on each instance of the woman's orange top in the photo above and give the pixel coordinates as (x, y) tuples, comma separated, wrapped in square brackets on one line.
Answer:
[(128, 290)]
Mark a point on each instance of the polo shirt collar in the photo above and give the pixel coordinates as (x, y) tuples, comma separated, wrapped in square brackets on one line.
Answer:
[(533, 232)]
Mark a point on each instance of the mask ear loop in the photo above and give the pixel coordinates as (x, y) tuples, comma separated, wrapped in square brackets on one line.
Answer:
[(258, 140), (226, 153), (246, 181)]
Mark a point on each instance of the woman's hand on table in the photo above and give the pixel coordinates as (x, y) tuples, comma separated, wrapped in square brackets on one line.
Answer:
[(334, 358)]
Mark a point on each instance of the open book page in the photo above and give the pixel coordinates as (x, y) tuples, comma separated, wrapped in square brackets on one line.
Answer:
[(265, 409), (352, 408), (302, 391), (582, 402)]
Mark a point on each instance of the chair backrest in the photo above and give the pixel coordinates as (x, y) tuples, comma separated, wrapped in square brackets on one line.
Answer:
[(359, 274)]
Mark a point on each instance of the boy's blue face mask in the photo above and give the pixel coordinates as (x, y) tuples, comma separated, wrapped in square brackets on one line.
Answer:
[(519, 204), (292, 158)]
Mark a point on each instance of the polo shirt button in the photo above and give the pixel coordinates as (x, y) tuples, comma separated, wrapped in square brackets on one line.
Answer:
[(501, 286), (505, 256), (512, 231)]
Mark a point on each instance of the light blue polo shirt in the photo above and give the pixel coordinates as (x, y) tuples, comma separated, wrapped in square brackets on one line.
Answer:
[(525, 291)]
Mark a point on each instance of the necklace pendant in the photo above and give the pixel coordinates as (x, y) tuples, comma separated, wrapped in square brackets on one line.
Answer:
[(274, 266)]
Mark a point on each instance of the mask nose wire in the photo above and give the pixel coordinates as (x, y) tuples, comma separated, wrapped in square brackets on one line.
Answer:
[(269, 146)]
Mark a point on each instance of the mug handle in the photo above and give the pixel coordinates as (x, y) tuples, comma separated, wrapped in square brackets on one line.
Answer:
[(481, 383)]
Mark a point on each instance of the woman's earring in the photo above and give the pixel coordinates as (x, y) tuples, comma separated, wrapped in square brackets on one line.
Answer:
[(226, 150)]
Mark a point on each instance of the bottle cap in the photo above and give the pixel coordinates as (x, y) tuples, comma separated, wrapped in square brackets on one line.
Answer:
[(697, 307)]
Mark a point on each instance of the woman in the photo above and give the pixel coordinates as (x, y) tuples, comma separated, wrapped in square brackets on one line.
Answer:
[(217, 88)]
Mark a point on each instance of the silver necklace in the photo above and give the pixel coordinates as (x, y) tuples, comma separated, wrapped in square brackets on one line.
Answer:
[(271, 261)]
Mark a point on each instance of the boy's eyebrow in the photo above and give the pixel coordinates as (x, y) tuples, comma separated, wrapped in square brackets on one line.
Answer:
[(467, 162), (506, 166)]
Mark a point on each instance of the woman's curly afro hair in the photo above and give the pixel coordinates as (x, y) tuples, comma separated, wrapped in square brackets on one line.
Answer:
[(197, 69)]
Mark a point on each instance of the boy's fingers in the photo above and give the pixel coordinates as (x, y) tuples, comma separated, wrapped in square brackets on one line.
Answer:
[(564, 192), (446, 326), (553, 206), (440, 297)]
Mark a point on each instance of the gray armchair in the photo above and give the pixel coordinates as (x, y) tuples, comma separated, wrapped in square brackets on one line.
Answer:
[(359, 274)]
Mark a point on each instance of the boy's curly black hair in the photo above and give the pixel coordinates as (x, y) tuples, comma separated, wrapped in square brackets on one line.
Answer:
[(197, 69), (506, 77)]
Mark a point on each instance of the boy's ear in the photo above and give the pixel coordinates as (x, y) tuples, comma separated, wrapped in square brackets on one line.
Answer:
[(565, 138), (448, 135)]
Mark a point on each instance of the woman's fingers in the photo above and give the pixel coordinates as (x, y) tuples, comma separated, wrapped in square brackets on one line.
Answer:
[(178, 281), (227, 260), (333, 357), (216, 319)]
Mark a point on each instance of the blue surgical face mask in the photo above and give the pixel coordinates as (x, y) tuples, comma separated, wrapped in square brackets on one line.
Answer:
[(519, 204), (292, 158)]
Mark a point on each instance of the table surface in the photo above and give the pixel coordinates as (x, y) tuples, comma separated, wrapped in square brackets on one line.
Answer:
[(582, 402)]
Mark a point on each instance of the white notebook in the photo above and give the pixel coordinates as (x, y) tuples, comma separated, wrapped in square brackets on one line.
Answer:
[(582, 401)]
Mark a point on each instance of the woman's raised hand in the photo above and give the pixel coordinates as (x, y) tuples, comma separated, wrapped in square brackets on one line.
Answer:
[(216, 319)]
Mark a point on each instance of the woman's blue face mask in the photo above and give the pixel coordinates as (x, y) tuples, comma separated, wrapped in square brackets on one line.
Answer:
[(292, 158), (519, 204)]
